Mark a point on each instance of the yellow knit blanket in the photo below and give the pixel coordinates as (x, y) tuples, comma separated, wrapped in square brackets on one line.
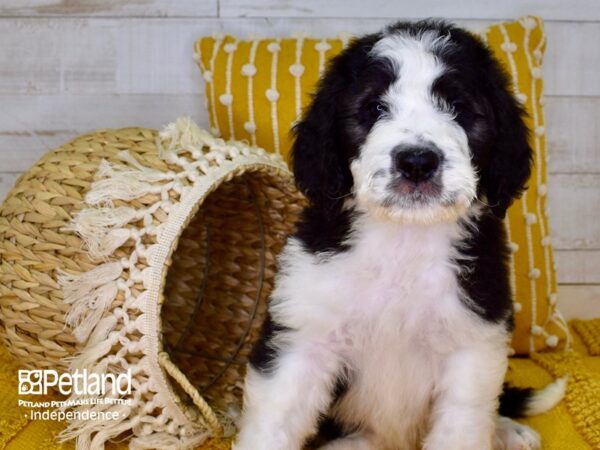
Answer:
[(573, 425)]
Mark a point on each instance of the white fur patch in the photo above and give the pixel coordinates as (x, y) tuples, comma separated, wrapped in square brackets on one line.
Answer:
[(511, 435), (547, 398)]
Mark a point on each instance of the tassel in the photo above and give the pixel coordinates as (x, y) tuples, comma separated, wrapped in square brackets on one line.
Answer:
[(108, 432), (149, 173), (90, 295), (90, 356), (97, 219), (83, 440), (77, 286), (94, 227), (112, 241), (92, 434), (124, 182), (139, 171), (101, 331), (85, 315), (119, 187), (184, 135)]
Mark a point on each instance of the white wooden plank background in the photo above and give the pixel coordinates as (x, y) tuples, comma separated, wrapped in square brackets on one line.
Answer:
[(134, 55), (572, 198), (34, 124), (107, 8), (574, 10), (7, 181), (578, 266), (70, 67), (579, 301), (475, 9)]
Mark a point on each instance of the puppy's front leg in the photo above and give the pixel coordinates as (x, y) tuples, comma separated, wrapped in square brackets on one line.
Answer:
[(465, 406), (282, 406)]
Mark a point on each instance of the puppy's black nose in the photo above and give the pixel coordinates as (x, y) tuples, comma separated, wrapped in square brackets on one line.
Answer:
[(416, 163)]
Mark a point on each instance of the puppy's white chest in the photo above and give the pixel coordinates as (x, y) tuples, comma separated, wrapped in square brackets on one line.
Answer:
[(402, 283), (397, 281), (397, 303)]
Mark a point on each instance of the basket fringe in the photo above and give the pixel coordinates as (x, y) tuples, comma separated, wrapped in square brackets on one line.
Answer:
[(184, 134), (93, 434), (86, 313), (103, 227), (91, 357), (90, 295), (122, 182), (102, 329), (120, 187)]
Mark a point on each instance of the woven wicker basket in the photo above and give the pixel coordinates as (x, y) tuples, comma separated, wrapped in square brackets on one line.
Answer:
[(123, 250)]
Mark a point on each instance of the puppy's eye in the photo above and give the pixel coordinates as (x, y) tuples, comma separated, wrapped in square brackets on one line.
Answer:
[(463, 114), (370, 112), (458, 105), (375, 109)]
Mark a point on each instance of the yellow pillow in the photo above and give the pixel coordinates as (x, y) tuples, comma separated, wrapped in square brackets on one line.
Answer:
[(257, 89)]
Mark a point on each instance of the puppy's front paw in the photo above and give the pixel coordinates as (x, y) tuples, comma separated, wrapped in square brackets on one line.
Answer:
[(511, 435)]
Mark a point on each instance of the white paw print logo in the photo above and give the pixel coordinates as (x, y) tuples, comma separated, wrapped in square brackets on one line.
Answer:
[(31, 382)]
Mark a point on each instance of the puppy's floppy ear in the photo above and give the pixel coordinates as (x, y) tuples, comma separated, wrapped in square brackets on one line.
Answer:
[(320, 154), (509, 165)]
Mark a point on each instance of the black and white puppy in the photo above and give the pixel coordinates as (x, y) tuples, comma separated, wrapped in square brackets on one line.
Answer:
[(392, 311)]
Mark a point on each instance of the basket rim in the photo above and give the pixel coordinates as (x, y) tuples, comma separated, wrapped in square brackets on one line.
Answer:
[(169, 238)]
